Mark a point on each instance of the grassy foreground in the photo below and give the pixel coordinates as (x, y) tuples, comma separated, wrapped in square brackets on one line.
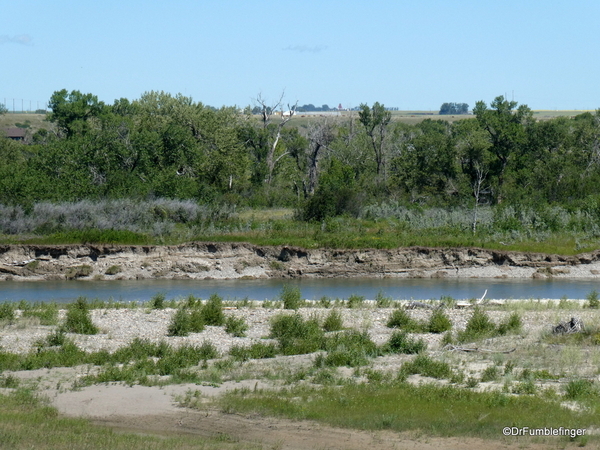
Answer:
[(27, 422)]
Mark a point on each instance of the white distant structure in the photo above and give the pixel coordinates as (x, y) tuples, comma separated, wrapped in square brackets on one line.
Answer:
[(288, 113)]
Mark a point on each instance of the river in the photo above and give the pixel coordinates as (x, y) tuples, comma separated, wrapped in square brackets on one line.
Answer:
[(312, 289)]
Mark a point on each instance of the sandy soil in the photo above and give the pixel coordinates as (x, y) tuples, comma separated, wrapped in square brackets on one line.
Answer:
[(155, 410)]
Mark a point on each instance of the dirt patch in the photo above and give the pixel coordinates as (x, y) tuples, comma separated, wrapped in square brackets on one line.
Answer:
[(273, 433)]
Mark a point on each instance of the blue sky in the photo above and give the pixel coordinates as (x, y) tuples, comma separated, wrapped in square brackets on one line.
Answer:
[(414, 54)]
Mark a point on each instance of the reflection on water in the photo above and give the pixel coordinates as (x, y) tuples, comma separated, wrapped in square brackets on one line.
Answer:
[(312, 289)]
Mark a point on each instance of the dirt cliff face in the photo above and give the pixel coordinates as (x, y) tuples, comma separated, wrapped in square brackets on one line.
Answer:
[(206, 260)]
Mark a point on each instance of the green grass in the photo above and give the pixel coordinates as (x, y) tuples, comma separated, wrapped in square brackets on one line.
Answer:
[(28, 423), (262, 227), (398, 406)]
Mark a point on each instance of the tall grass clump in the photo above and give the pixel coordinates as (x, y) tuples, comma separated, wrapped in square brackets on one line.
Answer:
[(7, 312), (158, 301), (399, 342), (355, 301), (47, 314), (351, 348), (296, 335), (180, 323), (78, 319), (401, 319), (593, 300), (333, 321), (291, 297), (427, 367), (478, 326), (212, 311), (236, 326), (438, 322)]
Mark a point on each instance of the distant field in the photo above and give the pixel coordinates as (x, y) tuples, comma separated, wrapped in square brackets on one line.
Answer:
[(33, 122), (37, 121)]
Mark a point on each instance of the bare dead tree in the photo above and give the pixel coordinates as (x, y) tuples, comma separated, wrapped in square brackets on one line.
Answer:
[(320, 135), (267, 113), (478, 189)]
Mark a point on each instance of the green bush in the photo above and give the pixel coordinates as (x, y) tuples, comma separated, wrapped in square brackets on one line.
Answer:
[(593, 300), (196, 319), (479, 326), (512, 325), (579, 389), (351, 348), (427, 367), (236, 326), (355, 301), (78, 318), (7, 312), (491, 373), (382, 301), (399, 342), (296, 335), (438, 322), (212, 312), (291, 297), (333, 321), (400, 319), (258, 350), (180, 323), (158, 301), (113, 270)]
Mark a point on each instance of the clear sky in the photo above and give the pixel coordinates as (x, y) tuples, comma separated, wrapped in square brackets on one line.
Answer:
[(413, 54)]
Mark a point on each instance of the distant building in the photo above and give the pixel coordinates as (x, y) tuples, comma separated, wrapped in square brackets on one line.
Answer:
[(16, 134)]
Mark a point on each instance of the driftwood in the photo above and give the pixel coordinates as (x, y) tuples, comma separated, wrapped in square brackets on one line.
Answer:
[(415, 305), (575, 325), (456, 348), (468, 304)]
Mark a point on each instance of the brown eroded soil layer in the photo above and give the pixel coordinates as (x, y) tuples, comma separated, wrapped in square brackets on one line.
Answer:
[(203, 260)]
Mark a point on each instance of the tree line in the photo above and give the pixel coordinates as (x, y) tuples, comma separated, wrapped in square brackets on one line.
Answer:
[(165, 146)]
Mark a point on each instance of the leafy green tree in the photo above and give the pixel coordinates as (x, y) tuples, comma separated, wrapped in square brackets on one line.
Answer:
[(72, 111), (3, 109), (506, 127), (375, 121)]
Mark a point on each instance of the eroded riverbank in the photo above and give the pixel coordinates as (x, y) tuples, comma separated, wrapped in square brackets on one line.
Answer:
[(246, 261)]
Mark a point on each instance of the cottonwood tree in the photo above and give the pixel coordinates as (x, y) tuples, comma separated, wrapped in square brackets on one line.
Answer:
[(375, 121), (473, 151), (506, 127), (271, 131), (320, 135)]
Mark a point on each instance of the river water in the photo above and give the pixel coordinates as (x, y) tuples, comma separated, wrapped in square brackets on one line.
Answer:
[(312, 289)]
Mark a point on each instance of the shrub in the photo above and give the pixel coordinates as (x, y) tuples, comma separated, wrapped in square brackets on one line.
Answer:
[(351, 348), (236, 326), (400, 319), (438, 322), (291, 297), (333, 321), (399, 342), (593, 300), (196, 320), (427, 367), (355, 301), (46, 313), (479, 325), (78, 318), (512, 325), (158, 301), (491, 373), (258, 350), (296, 335), (212, 312), (180, 323), (382, 301), (579, 389), (7, 312)]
